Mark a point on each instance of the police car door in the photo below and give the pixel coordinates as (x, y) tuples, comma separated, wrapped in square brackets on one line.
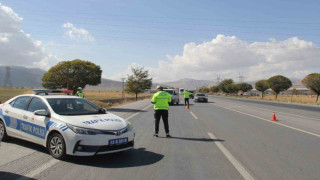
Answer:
[(13, 115), (36, 125)]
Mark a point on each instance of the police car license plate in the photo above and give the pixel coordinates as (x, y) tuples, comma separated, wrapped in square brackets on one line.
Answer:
[(118, 141)]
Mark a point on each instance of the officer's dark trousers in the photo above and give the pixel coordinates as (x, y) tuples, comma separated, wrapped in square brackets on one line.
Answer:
[(186, 101), (157, 115)]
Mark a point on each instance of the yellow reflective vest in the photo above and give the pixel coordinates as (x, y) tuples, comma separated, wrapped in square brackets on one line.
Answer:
[(186, 94), (161, 100), (80, 94)]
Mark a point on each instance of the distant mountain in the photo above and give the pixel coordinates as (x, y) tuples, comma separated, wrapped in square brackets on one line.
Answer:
[(22, 77), (189, 84), (31, 78), (107, 84)]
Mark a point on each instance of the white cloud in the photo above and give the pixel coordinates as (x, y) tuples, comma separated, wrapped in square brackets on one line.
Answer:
[(77, 33), (17, 47), (228, 56)]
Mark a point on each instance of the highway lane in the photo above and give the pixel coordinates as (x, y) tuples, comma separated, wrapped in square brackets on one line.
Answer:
[(258, 149), (190, 154)]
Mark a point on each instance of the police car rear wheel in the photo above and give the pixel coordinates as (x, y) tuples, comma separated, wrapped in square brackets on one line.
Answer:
[(3, 133), (56, 146)]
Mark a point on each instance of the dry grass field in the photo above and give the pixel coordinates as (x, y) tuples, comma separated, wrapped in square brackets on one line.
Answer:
[(290, 99), (100, 98)]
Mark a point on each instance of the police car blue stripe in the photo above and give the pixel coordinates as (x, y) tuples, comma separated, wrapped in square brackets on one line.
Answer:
[(25, 127), (64, 129)]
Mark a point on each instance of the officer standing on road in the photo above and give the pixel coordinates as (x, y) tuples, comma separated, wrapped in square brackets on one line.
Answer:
[(79, 92), (186, 97), (161, 101)]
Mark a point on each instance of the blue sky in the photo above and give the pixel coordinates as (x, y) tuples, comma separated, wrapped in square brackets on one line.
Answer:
[(145, 32)]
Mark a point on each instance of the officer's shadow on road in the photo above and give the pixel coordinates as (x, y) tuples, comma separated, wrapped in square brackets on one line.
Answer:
[(125, 110), (132, 158)]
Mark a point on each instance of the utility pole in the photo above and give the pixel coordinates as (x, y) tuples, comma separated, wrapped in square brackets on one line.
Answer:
[(218, 79), (7, 79), (122, 87), (241, 77)]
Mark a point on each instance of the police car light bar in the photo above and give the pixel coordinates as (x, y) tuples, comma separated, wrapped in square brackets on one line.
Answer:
[(46, 91)]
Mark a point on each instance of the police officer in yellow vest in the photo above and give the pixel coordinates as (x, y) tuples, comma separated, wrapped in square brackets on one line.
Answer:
[(186, 97), (79, 92), (161, 101)]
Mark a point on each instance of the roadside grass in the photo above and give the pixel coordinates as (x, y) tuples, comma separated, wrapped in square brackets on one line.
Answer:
[(106, 99), (8, 93), (97, 95), (287, 98)]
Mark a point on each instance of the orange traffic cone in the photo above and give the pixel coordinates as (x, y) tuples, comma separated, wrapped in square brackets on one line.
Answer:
[(188, 106), (274, 117)]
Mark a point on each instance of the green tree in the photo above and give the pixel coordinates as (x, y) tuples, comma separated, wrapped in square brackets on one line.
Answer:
[(204, 90), (262, 86), (215, 89), (224, 83), (139, 81), (245, 87), (279, 83), (312, 81), (72, 74), (233, 88)]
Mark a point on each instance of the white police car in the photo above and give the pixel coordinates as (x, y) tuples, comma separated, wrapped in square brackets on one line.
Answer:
[(65, 125)]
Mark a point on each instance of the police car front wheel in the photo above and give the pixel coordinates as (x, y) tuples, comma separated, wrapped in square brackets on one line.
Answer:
[(56, 146)]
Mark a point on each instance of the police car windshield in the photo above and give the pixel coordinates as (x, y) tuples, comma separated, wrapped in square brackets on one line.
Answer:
[(73, 106)]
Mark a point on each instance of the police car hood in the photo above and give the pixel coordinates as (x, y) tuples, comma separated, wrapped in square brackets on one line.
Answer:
[(97, 121)]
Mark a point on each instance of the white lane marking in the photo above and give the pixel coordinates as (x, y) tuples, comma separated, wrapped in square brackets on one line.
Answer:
[(245, 174), (40, 169), (194, 116), (133, 115), (275, 122)]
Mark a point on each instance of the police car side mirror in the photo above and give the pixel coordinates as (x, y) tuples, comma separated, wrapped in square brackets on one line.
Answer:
[(41, 112), (102, 110)]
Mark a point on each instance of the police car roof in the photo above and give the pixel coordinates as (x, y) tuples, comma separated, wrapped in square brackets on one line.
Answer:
[(54, 96)]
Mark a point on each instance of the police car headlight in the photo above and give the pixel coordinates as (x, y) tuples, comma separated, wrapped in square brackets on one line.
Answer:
[(129, 126), (79, 130)]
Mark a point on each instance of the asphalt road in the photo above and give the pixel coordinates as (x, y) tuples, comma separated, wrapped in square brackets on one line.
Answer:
[(222, 139)]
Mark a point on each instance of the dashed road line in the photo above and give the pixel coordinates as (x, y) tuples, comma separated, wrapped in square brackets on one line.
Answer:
[(297, 129), (245, 174), (194, 116)]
